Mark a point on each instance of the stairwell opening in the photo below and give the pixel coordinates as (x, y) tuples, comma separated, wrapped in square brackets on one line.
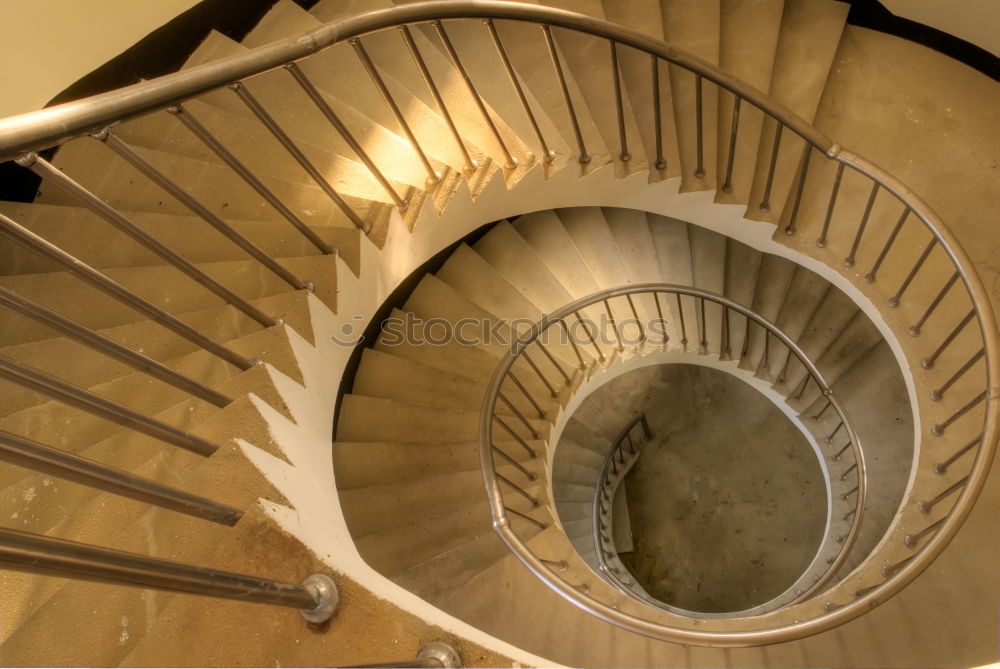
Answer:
[(726, 506)]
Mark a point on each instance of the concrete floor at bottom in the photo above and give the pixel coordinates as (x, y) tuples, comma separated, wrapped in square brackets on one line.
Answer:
[(727, 502)]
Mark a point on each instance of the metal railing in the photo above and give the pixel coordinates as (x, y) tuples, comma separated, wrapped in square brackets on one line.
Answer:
[(617, 463), (590, 322), (959, 438)]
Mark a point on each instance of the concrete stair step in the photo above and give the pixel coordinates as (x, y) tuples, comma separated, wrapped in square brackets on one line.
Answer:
[(90, 368), (645, 16), (590, 62), (291, 108), (571, 453), (553, 246), (97, 243), (383, 508), (389, 53), (380, 419), (832, 316), (484, 68), (405, 462), (90, 515), (396, 551), (805, 296), (449, 356), (694, 27), (214, 185), (451, 569), (743, 265), (749, 32), (127, 616), (338, 70), (575, 473), (773, 281), (671, 243), (163, 286), (807, 43), (571, 492), (708, 271), (446, 315)]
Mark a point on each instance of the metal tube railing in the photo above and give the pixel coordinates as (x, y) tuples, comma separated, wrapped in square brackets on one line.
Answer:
[(48, 172), (98, 342), (88, 274), (28, 377), (316, 597), (22, 452), (499, 511)]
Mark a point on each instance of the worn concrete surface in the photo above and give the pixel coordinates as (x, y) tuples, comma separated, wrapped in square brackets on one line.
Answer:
[(727, 503)]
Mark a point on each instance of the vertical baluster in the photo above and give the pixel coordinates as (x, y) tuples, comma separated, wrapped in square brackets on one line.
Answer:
[(820, 413), (474, 92), (538, 373), (870, 277), (765, 203), (548, 154), (49, 172), (943, 467), (849, 260), (614, 325), (292, 148), (915, 328), (661, 322), (699, 170), (624, 154), (590, 334), (527, 395), (584, 156), (894, 300), (727, 185), (912, 539), (535, 503), (418, 60), (74, 266), (941, 427), (928, 362), (553, 361), (528, 474), (821, 241), (928, 506), (661, 162), (680, 318), (799, 188), (635, 315), (321, 104), (837, 429), (515, 436), (433, 176), (132, 157), (517, 413), (724, 345), (703, 328), (209, 140), (572, 341)]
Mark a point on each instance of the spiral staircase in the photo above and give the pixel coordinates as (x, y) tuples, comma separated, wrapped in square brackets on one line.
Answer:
[(207, 282)]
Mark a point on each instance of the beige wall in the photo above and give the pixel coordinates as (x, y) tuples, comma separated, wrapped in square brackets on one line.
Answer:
[(46, 45), (976, 21)]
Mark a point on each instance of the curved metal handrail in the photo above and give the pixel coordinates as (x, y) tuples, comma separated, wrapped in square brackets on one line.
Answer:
[(21, 135), (37, 130), (499, 509)]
